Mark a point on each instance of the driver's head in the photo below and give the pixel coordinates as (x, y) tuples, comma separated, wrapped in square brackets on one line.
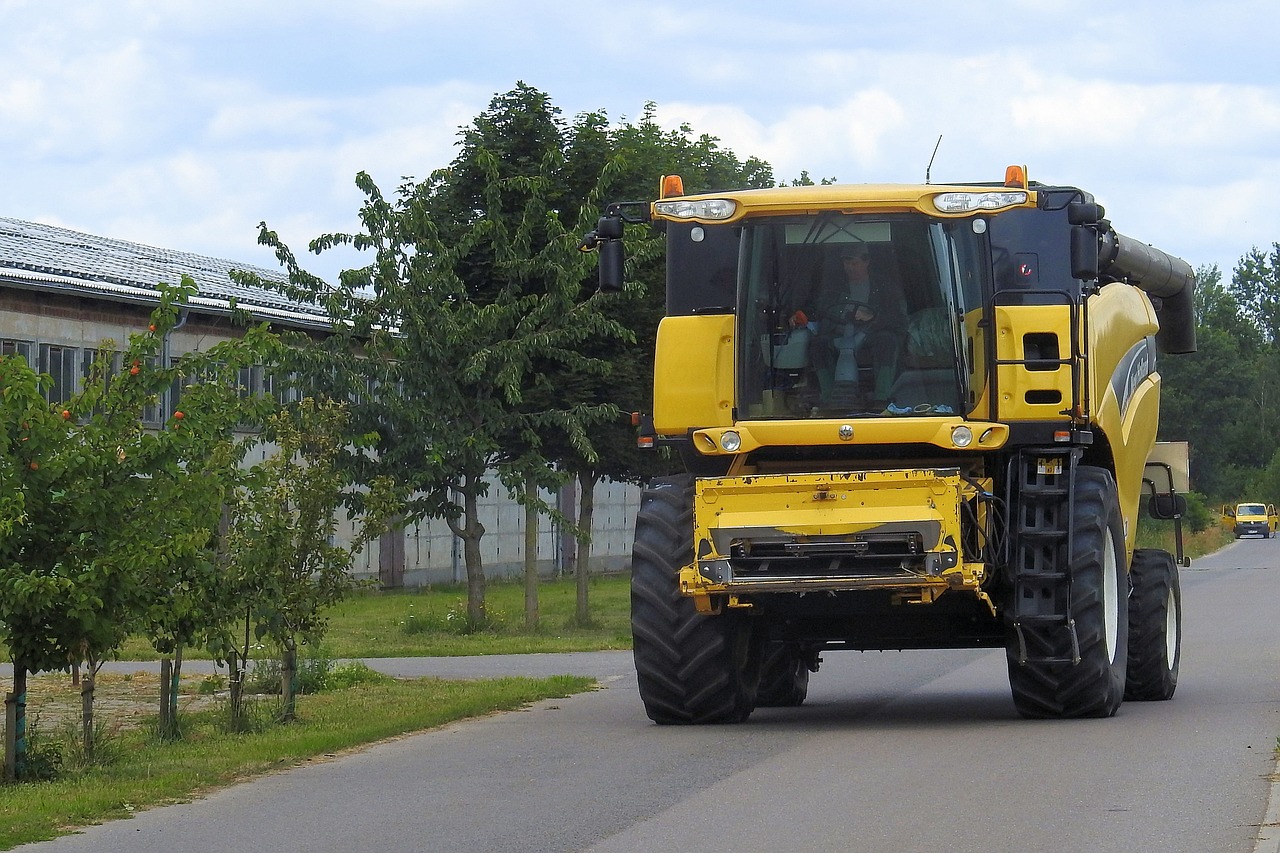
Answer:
[(854, 259)]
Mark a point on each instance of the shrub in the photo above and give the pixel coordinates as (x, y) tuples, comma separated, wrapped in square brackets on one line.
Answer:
[(354, 674)]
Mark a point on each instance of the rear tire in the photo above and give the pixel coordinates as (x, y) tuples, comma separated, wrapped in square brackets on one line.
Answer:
[(1155, 626), (691, 667), (784, 677), (1095, 686)]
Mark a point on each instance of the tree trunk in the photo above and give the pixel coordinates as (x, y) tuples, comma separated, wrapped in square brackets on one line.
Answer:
[(289, 682), (15, 730), (166, 705), (391, 556), (239, 663), (472, 531), (567, 504), (582, 566), (174, 683), (530, 556), (87, 683), (235, 686)]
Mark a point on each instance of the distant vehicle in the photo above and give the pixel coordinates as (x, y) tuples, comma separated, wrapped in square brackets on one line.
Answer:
[(1251, 519)]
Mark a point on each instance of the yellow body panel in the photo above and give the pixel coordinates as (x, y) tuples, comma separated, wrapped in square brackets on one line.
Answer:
[(843, 510), (693, 373), (1121, 317), (1028, 394)]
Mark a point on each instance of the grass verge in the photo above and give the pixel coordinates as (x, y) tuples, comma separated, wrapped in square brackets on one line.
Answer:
[(431, 622), (1159, 534), (144, 772)]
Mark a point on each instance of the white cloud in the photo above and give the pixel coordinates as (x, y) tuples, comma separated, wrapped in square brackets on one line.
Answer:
[(192, 122), (853, 133)]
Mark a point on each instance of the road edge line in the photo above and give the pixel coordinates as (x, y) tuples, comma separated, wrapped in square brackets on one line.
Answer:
[(1269, 830)]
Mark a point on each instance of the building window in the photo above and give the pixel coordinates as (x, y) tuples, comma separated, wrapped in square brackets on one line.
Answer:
[(283, 388), (61, 363), (12, 347)]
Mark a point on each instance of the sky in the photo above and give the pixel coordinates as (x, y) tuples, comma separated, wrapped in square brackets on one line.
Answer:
[(185, 124)]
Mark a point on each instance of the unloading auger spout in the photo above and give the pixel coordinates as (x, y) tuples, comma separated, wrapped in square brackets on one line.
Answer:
[(1170, 280)]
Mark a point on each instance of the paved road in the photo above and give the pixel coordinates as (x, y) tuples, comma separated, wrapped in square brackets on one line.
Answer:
[(896, 752)]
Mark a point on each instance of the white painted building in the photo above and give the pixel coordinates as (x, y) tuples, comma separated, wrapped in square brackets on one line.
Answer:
[(62, 293)]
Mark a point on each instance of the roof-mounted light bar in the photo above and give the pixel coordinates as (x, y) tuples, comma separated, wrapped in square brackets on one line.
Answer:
[(711, 208), (966, 202)]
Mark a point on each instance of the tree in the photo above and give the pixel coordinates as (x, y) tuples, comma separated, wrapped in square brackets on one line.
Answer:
[(437, 357), (1225, 398), (475, 270), (1255, 286), (523, 131), (102, 501), (280, 561)]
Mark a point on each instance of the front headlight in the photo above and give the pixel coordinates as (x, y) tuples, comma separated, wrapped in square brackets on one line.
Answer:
[(710, 208), (962, 436), (966, 202), (730, 441)]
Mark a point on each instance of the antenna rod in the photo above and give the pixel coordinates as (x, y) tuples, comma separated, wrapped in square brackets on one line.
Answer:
[(929, 168)]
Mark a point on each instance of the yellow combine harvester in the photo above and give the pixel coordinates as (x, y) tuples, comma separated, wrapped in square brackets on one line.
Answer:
[(912, 416)]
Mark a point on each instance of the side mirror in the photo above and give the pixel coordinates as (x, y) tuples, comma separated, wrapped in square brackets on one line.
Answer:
[(612, 262), (1167, 507), (1084, 253), (607, 238)]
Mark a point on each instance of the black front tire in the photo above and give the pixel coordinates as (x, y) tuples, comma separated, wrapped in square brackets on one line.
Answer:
[(784, 676), (1095, 686), (1155, 626), (691, 667)]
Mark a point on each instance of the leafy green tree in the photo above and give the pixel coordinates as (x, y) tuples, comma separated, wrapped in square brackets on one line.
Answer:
[(477, 302), (192, 603), (1225, 398), (104, 501), (522, 129), (1265, 484), (1255, 286), (281, 560), (438, 358)]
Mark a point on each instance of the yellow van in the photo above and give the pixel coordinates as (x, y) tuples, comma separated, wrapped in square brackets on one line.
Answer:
[(1251, 519)]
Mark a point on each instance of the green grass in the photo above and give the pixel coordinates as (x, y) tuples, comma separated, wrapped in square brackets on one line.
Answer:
[(429, 622), (408, 624), (1159, 534), (146, 772)]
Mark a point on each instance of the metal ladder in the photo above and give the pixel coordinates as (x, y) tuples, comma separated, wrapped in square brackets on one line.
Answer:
[(1042, 549)]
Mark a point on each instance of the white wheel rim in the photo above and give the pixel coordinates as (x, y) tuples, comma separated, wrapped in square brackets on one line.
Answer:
[(1170, 630), (1110, 597)]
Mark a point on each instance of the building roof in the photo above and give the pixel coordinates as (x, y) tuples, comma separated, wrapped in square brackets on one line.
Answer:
[(43, 257)]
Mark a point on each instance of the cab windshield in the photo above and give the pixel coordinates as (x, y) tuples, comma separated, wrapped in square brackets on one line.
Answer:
[(852, 315)]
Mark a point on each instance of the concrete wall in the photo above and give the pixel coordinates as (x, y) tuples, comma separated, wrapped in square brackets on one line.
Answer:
[(432, 555)]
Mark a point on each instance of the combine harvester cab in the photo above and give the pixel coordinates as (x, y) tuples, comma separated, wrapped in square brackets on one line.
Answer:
[(911, 416)]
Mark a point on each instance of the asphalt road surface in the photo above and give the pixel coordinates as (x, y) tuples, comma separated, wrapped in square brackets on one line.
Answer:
[(893, 753)]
